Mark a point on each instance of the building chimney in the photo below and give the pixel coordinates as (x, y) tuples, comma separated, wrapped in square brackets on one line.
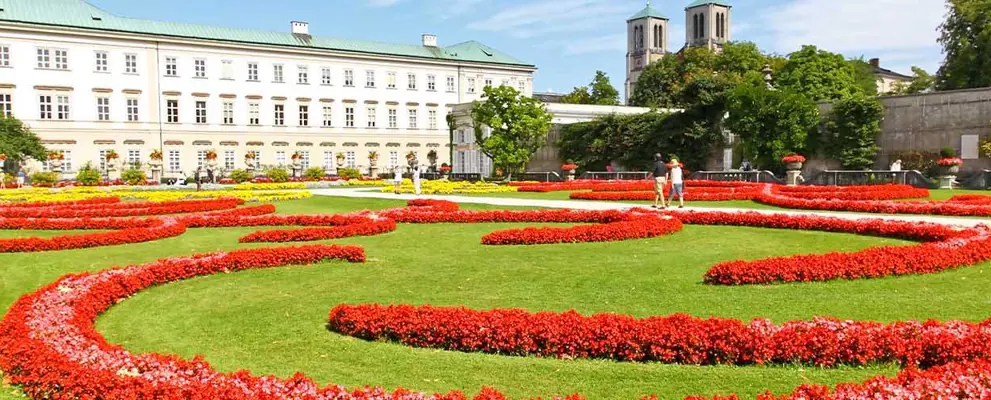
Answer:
[(875, 62), (429, 40), (300, 28)]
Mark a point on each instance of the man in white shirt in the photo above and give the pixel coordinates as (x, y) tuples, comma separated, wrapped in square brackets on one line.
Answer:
[(416, 179), (676, 176)]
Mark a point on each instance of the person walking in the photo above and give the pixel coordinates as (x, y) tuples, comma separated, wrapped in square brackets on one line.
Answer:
[(660, 175), (198, 177), (397, 179), (416, 179), (677, 183)]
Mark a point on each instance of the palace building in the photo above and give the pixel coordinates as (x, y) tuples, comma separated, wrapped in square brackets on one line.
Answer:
[(87, 82)]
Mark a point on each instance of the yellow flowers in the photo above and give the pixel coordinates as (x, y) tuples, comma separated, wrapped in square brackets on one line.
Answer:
[(448, 187), (271, 186), (74, 194), (377, 182)]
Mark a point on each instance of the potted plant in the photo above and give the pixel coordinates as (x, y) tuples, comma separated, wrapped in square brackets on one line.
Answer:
[(793, 162), (445, 170), (950, 165), (373, 158), (55, 159), (111, 158), (432, 158), (340, 160), (411, 159), (570, 168)]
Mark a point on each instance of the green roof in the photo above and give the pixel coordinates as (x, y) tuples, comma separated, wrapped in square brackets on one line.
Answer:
[(647, 12), (80, 14), (698, 3)]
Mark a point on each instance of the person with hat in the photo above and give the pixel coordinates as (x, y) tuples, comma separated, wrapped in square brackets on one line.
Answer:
[(677, 183)]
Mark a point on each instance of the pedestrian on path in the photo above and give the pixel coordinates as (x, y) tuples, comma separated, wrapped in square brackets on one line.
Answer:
[(677, 183), (397, 179), (416, 179), (660, 175)]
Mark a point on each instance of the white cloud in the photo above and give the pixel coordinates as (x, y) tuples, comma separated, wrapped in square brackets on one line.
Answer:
[(605, 43), (855, 26)]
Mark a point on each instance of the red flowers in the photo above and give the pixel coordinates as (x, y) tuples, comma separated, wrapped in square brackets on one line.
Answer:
[(794, 158), (949, 162), (569, 167), (630, 226)]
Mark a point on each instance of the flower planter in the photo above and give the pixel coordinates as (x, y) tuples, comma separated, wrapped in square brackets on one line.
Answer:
[(571, 175), (950, 170), (795, 166)]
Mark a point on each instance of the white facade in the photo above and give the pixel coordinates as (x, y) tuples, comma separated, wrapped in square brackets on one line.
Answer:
[(87, 92)]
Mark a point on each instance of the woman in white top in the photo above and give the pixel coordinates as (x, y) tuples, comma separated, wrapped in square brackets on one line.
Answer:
[(397, 179), (677, 183), (896, 166), (416, 179)]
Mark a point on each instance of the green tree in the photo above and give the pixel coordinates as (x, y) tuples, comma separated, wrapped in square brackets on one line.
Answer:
[(770, 123), (602, 92), (966, 39), (853, 126), (517, 127), (818, 74), (921, 82), (18, 143), (863, 74)]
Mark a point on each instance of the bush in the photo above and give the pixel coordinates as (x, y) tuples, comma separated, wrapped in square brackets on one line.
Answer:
[(349, 173), (133, 176), (947, 152), (240, 176), (88, 176), (44, 178), (277, 175), (922, 161), (854, 125), (314, 173)]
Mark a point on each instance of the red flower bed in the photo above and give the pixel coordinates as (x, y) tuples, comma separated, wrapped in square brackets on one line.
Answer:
[(121, 209), (674, 339), (881, 207), (158, 229), (37, 204), (632, 226), (690, 195), (367, 227)]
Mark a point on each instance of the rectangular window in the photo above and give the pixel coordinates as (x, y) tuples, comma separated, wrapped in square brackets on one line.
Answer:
[(328, 113), (102, 62), (133, 157), (325, 77), (412, 118), (390, 80), (280, 158), (431, 82), (227, 69), (370, 79), (130, 63), (411, 79), (304, 115), (229, 160), (62, 110), (488, 83), (46, 107), (103, 109), (393, 118), (44, 58), (253, 71), (393, 159), (132, 110), (304, 159), (200, 158), (370, 113), (174, 165), (505, 82), (277, 76), (200, 112), (328, 159), (254, 114), (171, 66), (432, 119), (349, 116), (450, 84), (61, 59), (522, 84), (67, 162), (280, 114), (349, 159), (199, 65), (258, 159), (304, 74), (471, 85), (4, 56), (6, 106), (103, 159), (172, 111), (348, 78), (228, 113)]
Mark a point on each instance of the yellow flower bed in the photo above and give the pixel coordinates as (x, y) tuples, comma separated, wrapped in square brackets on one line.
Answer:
[(75, 194), (377, 182), (271, 186), (448, 187)]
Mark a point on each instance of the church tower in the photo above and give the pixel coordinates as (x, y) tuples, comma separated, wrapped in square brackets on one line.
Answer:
[(647, 33), (707, 24)]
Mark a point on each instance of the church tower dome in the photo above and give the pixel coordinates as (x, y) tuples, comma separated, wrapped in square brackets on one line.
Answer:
[(707, 24), (647, 41)]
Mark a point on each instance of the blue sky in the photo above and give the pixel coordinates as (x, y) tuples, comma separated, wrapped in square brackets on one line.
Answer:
[(569, 40)]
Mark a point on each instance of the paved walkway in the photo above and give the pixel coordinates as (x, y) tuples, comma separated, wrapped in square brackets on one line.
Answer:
[(370, 193)]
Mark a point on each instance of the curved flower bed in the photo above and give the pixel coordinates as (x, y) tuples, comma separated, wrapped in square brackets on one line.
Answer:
[(690, 195), (120, 209), (773, 196), (629, 226)]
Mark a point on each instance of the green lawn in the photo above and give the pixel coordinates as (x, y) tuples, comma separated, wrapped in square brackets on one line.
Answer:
[(272, 321)]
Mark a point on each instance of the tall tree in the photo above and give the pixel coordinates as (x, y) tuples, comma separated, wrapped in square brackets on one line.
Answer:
[(853, 126), (863, 74), (818, 74), (18, 143), (966, 39), (921, 82), (770, 123), (509, 127), (602, 92)]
